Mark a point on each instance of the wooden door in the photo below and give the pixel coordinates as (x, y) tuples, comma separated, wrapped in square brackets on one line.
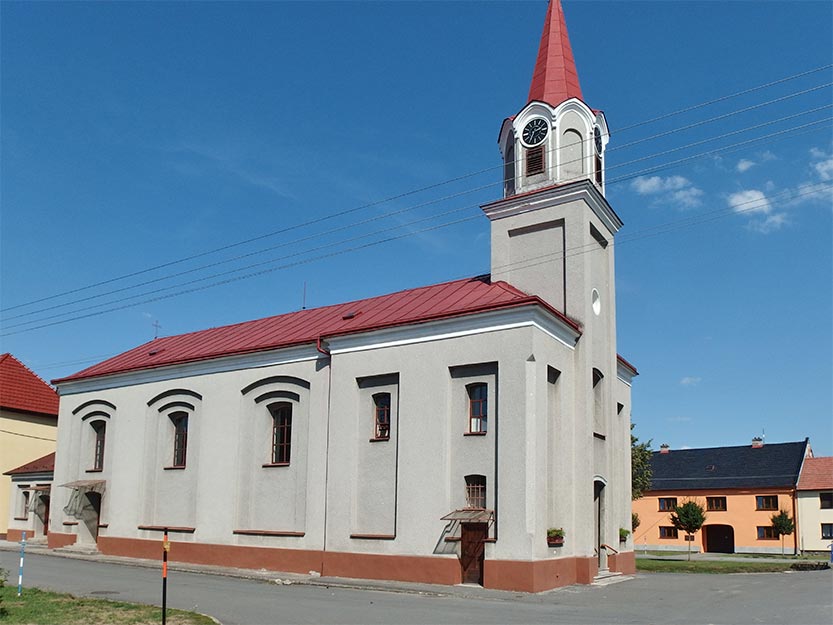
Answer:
[(472, 550), (45, 500)]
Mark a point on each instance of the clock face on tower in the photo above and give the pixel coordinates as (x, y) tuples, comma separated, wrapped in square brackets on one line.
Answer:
[(535, 132)]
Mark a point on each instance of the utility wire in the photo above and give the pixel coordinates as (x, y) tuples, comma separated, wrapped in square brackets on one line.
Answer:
[(387, 215), (428, 187)]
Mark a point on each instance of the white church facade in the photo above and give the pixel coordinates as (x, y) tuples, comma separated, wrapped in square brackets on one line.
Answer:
[(430, 435)]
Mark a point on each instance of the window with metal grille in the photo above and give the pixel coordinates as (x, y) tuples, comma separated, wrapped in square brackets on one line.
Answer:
[(100, 429), (535, 160), (827, 531), (826, 500), (667, 504), (381, 416), (180, 422), (668, 531), (716, 504), (281, 432), (476, 491), (766, 502), (767, 533), (478, 407)]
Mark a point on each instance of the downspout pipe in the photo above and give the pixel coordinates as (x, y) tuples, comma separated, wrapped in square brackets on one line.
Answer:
[(320, 346)]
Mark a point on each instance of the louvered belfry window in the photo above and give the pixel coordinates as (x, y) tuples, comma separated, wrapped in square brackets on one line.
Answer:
[(535, 160)]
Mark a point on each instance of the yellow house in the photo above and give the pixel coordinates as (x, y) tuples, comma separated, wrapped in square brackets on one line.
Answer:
[(28, 426), (740, 488)]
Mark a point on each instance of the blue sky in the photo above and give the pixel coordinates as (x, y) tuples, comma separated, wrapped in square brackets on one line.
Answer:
[(136, 135)]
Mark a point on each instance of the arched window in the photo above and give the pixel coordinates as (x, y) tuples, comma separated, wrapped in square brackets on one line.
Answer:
[(281, 432), (180, 423), (100, 433), (478, 407), (381, 416), (572, 154), (598, 403), (509, 169), (476, 491)]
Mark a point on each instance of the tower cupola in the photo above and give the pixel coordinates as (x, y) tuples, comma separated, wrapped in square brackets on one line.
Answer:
[(556, 138)]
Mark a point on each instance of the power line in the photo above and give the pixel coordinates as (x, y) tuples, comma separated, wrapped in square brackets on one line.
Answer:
[(40, 438), (653, 169), (430, 187), (318, 235)]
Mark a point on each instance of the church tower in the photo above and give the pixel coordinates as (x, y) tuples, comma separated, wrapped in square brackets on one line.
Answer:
[(553, 211)]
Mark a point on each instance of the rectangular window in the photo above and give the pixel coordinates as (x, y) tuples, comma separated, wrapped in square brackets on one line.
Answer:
[(716, 504), (478, 408), (281, 433), (826, 500), (767, 533), (24, 511), (668, 531), (476, 491), (667, 504), (381, 416), (827, 531), (180, 421), (535, 161), (766, 502)]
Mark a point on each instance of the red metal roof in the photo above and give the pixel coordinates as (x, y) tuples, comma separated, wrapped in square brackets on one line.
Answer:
[(450, 299), (555, 78), (816, 474), (41, 465), (23, 391)]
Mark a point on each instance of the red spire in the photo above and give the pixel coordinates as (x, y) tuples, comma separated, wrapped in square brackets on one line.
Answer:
[(555, 78)]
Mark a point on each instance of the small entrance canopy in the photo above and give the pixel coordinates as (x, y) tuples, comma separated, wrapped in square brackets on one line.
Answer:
[(470, 515), (95, 486)]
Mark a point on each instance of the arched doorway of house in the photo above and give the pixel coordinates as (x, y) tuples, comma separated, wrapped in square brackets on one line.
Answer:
[(599, 521), (719, 539)]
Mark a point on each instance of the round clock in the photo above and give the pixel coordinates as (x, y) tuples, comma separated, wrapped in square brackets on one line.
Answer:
[(597, 136), (535, 132)]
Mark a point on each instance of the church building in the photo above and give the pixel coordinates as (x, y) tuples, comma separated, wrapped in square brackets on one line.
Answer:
[(430, 435)]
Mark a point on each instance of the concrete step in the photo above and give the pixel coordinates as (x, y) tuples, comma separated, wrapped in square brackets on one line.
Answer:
[(606, 577), (87, 550)]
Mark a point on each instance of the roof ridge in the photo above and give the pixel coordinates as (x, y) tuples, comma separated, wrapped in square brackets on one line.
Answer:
[(22, 364)]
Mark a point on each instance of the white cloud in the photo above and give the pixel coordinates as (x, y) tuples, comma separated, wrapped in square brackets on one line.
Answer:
[(744, 165), (825, 169), (650, 185), (766, 155), (690, 381), (676, 190), (816, 153), (750, 201), (756, 205)]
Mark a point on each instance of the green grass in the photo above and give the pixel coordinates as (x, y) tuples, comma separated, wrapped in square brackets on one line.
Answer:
[(813, 557), (709, 566), (39, 607)]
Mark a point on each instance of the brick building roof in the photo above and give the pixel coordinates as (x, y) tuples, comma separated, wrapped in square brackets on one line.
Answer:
[(817, 474), (23, 391), (41, 465)]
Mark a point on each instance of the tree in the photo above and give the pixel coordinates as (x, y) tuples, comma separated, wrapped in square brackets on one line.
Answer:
[(635, 521), (641, 472), (689, 517), (783, 525)]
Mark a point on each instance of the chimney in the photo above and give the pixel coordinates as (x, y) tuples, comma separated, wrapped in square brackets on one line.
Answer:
[(757, 442), (664, 449)]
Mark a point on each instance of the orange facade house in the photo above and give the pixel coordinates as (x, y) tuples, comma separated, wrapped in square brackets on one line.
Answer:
[(740, 488)]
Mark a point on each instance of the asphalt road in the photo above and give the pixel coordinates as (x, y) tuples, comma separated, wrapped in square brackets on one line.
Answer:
[(795, 598)]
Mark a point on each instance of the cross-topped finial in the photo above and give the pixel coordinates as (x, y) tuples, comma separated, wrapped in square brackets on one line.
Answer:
[(156, 326)]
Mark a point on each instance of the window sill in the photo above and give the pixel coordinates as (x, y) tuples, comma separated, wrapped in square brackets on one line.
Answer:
[(380, 439), (94, 470), (766, 509), (373, 536), (456, 539), (475, 433), (173, 468), (162, 528), (70, 523), (21, 518), (601, 437), (274, 464), (287, 534)]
